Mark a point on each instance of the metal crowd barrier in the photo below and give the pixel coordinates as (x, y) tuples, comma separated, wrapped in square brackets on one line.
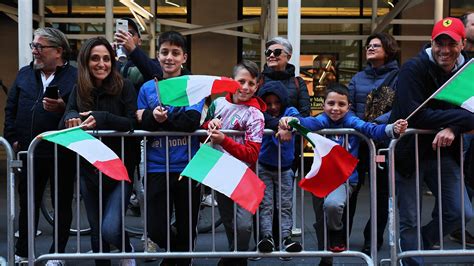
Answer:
[(396, 254), (214, 251), (11, 165)]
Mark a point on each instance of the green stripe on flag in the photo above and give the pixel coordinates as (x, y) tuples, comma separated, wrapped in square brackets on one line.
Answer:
[(68, 136), (459, 89), (202, 163), (173, 91)]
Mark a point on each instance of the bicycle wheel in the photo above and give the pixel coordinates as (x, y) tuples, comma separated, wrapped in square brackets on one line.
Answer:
[(47, 209)]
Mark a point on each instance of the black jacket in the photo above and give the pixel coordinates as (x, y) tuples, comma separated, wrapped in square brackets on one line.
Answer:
[(297, 97), (418, 79), (25, 117), (112, 112)]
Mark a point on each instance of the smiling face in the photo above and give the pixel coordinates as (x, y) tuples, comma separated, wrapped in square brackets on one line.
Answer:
[(375, 53), (336, 105), (47, 58), (248, 83), (277, 63), (446, 51), (100, 64), (171, 59)]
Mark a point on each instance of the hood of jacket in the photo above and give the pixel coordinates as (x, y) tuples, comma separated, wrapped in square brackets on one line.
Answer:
[(254, 102), (379, 71), (279, 75), (277, 88)]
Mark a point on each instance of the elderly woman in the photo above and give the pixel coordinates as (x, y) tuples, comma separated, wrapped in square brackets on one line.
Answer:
[(381, 71), (278, 52)]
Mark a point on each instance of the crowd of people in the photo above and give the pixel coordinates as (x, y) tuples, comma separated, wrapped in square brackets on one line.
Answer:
[(103, 94)]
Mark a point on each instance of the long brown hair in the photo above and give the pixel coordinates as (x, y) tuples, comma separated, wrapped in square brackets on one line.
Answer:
[(112, 84)]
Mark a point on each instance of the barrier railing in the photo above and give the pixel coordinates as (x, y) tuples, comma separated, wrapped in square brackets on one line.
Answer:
[(11, 165), (421, 250), (212, 252)]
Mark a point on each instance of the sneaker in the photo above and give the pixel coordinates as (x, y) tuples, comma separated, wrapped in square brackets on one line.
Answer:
[(152, 247), (456, 236), (55, 263), (266, 245), (291, 246), (337, 241), (20, 259), (208, 200)]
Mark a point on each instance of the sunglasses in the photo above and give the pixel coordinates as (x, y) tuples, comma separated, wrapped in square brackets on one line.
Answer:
[(276, 52)]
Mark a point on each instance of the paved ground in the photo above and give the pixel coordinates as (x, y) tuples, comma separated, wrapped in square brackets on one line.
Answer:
[(204, 241)]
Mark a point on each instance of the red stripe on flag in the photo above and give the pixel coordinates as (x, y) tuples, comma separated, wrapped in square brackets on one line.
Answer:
[(249, 192), (113, 169), (336, 167), (224, 85)]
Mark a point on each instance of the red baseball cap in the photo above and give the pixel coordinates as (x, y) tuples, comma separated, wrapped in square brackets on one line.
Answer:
[(453, 27)]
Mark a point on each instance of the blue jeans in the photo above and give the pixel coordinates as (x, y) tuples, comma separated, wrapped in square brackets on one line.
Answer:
[(451, 204), (243, 223), (112, 202), (271, 198)]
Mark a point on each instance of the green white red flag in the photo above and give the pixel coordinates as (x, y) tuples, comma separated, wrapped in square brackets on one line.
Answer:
[(332, 164), (460, 89), (191, 89), (91, 149), (226, 174)]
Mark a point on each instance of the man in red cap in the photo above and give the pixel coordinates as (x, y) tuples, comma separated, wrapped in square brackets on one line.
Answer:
[(418, 79)]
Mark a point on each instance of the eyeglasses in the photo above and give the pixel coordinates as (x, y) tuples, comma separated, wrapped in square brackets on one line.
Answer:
[(40, 47), (276, 52), (373, 46)]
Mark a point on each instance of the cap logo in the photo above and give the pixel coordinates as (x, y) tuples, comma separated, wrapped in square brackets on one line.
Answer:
[(447, 23)]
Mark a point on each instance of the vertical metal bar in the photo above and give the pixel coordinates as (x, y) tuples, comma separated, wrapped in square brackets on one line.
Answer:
[(301, 174), (279, 197), (440, 201), (348, 205), (168, 214), (31, 204), (145, 193), (462, 187), (373, 201), (190, 201), (123, 199), (56, 209), (418, 204), (101, 248), (78, 205), (10, 200), (392, 209)]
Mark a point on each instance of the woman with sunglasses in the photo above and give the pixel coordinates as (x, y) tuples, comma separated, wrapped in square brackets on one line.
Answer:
[(278, 53), (381, 71)]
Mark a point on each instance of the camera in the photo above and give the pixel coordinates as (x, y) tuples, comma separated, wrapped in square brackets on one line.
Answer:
[(121, 55)]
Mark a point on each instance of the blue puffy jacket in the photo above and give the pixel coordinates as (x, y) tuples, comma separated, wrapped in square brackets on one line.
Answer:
[(367, 80)]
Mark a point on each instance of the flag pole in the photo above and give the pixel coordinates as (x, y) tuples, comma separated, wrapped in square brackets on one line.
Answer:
[(440, 88), (158, 92), (207, 139)]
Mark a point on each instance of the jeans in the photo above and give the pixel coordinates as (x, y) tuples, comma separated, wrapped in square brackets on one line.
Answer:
[(44, 170), (243, 222), (271, 198), (112, 204), (451, 204), (157, 218)]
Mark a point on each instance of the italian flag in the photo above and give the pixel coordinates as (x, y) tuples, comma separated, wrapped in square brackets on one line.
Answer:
[(91, 149), (191, 89), (332, 164), (459, 90), (226, 174)]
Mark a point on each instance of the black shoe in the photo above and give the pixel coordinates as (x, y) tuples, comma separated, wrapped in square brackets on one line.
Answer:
[(337, 240), (456, 236), (291, 246), (266, 245)]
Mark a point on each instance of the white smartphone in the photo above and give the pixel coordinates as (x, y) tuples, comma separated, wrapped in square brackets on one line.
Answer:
[(121, 24)]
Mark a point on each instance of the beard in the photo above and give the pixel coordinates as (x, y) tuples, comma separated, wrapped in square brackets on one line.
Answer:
[(37, 65)]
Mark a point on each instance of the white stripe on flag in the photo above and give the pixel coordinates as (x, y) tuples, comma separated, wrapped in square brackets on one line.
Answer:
[(91, 151), (469, 104), (201, 87), (322, 147), (225, 175)]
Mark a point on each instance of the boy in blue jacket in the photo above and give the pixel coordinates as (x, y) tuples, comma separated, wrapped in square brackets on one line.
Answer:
[(275, 95), (336, 115)]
